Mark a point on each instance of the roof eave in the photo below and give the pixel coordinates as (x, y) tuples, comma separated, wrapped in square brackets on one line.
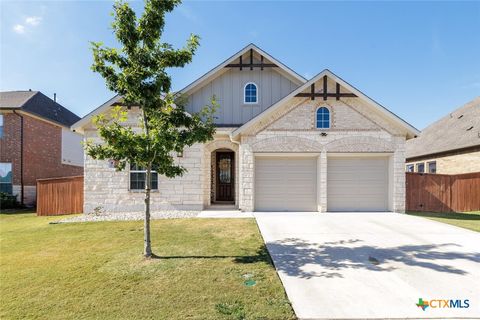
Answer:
[(441, 153), (40, 117), (410, 130), (78, 126), (208, 75)]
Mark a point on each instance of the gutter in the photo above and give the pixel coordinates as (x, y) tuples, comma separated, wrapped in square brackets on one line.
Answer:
[(39, 116), (22, 188), (445, 153)]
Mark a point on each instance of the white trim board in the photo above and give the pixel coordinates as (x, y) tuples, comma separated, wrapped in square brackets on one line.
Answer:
[(411, 130), (219, 69), (78, 126)]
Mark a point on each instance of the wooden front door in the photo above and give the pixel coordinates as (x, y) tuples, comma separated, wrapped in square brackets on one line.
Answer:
[(225, 178)]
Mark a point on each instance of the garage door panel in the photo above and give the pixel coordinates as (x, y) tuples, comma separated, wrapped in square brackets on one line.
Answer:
[(285, 184), (357, 184), (357, 187)]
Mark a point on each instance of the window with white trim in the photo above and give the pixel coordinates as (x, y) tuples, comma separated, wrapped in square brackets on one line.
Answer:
[(138, 176), (1, 125), (410, 168), (420, 167), (6, 177), (432, 167), (250, 93)]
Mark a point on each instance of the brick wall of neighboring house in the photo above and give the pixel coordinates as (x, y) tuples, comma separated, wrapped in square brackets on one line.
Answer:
[(42, 153), (453, 164), (10, 144)]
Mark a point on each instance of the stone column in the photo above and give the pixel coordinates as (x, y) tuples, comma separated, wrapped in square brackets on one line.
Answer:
[(399, 175), (246, 201), (322, 178)]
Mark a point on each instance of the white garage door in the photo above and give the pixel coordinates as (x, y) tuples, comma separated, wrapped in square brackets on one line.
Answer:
[(286, 184), (357, 184)]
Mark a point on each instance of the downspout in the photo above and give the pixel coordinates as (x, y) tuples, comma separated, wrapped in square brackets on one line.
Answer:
[(22, 191)]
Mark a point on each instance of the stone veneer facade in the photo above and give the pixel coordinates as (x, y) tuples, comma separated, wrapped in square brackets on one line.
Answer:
[(108, 189), (355, 129), (351, 132)]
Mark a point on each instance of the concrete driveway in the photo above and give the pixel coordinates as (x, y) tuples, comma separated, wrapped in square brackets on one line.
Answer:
[(372, 265)]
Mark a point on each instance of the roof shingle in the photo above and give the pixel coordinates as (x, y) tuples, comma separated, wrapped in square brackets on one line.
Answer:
[(457, 130), (15, 99), (38, 104)]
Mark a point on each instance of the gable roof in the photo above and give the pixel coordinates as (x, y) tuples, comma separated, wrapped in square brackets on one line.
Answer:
[(411, 130), (37, 104), (218, 69), (457, 130), (101, 109), (207, 76), (15, 99)]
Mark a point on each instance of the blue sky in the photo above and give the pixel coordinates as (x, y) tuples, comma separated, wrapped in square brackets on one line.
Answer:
[(419, 59)]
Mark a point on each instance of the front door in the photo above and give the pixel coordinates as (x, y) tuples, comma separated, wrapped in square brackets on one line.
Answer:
[(225, 183)]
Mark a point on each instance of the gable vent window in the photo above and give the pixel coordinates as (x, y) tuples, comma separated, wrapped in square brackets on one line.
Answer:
[(251, 93), (323, 118)]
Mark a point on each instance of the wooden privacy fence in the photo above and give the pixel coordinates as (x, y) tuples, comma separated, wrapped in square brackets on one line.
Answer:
[(59, 196), (443, 193)]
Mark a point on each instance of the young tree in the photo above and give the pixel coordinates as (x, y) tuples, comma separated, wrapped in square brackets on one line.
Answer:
[(138, 72)]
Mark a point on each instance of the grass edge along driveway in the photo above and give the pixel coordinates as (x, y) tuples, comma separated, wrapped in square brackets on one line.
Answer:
[(96, 270), (467, 220)]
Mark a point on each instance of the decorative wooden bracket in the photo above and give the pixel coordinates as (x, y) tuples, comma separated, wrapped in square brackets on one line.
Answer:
[(251, 65), (325, 94)]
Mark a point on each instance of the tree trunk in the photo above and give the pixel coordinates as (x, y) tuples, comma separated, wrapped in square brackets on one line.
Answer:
[(147, 246)]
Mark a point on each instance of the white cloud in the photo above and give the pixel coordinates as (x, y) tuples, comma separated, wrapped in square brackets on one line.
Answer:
[(18, 28), (33, 21), (27, 25)]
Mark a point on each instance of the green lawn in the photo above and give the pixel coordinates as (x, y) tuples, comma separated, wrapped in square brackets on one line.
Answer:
[(468, 220), (96, 271)]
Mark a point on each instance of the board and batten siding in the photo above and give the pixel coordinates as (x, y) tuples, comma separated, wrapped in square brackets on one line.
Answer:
[(228, 89), (72, 148)]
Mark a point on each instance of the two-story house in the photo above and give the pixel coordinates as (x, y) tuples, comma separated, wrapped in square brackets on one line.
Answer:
[(283, 143), (450, 145), (35, 142)]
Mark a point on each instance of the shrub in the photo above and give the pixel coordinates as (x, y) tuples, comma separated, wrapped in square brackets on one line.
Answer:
[(8, 201)]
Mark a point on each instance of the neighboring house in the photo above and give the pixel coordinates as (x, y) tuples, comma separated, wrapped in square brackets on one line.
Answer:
[(450, 145), (35, 142), (282, 144)]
